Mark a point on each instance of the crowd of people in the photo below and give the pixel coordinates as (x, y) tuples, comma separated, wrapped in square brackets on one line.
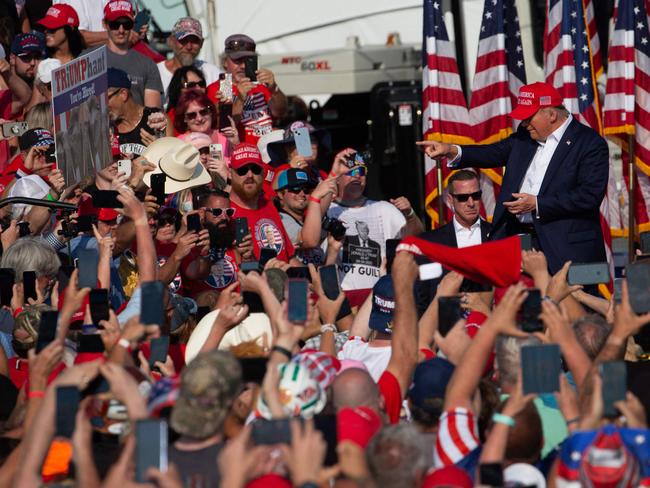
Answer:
[(241, 314)]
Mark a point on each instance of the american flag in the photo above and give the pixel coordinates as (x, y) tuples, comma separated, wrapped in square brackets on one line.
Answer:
[(445, 116), (500, 72), (627, 101)]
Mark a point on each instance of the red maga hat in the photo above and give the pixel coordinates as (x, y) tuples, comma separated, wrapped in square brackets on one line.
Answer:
[(533, 97)]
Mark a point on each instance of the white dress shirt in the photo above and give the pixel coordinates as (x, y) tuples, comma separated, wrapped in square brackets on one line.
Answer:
[(467, 237), (535, 173)]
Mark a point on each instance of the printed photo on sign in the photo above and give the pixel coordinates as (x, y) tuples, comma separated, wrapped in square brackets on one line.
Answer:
[(80, 110), (222, 273), (268, 235), (360, 249)]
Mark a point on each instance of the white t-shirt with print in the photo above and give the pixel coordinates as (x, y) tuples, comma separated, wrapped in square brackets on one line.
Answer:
[(361, 256), (375, 358)]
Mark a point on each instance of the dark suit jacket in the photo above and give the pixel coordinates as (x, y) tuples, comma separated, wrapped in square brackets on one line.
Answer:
[(568, 227), (425, 291)]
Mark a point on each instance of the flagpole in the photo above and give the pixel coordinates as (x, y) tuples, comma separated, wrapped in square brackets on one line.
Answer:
[(441, 203), (631, 202)]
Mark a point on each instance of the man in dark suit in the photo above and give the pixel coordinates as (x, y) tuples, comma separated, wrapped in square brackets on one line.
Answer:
[(465, 229), (555, 179)]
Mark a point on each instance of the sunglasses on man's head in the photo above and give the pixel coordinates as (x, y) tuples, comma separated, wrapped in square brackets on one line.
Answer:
[(193, 84), (115, 24), (297, 189), (243, 171), (359, 171), (240, 46), (463, 197), (204, 112), (218, 211)]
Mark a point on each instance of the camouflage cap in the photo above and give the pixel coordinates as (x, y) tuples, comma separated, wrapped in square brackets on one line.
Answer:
[(25, 331), (209, 385)]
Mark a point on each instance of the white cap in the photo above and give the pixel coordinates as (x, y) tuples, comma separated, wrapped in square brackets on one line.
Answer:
[(32, 186), (525, 474), (45, 68), (265, 140)]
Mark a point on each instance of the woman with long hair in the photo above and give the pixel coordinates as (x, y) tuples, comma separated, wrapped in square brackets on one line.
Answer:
[(62, 37)]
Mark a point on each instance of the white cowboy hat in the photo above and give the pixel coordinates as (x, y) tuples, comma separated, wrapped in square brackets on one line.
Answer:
[(252, 327), (179, 161)]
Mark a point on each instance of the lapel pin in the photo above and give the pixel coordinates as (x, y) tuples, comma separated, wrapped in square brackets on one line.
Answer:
[(568, 143)]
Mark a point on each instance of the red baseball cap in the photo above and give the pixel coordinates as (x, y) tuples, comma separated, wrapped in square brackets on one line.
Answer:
[(60, 15), (244, 154), (357, 424), (107, 214), (117, 9), (533, 97), (449, 476)]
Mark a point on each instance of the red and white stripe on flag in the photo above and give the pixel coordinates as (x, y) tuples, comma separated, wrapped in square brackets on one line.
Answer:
[(500, 72), (626, 111), (445, 117)]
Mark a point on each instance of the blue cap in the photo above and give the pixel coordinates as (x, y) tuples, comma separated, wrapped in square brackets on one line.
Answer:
[(293, 177), (383, 305), (118, 78), (430, 380), (31, 42)]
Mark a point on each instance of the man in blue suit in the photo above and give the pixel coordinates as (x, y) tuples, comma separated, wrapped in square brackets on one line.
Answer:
[(555, 179)]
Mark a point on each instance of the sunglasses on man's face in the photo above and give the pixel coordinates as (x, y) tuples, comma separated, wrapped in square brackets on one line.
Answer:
[(217, 212), (243, 171), (29, 57), (115, 24), (297, 189), (360, 171), (193, 84), (463, 197), (204, 112)]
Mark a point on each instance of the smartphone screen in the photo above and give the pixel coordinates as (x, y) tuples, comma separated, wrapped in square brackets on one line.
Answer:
[(47, 329), (588, 273), (302, 141), (541, 366), (106, 199), (329, 278), (7, 281), (269, 432), (253, 369), (449, 313), (299, 272), (158, 187), (391, 247), (67, 404), (29, 285), (241, 229), (250, 67), (87, 262), (297, 295), (151, 447), (618, 290), (225, 111), (526, 241), (159, 350), (99, 305), (614, 376), (63, 276), (90, 343), (248, 266), (266, 254), (491, 474), (194, 222), (152, 310), (530, 311), (85, 223), (638, 286)]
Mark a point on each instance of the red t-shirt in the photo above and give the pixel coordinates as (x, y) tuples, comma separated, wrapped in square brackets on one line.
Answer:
[(19, 371), (265, 226), (222, 273), (256, 117), (392, 393)]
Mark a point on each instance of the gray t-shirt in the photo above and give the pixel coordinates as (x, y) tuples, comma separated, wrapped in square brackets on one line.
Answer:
[(142, 72)]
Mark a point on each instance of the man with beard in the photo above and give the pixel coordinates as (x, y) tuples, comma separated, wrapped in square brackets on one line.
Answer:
[(186, 40), (225, 254), (27, 50), (248, 200)]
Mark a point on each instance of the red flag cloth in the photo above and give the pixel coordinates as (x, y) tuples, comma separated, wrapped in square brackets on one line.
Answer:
[(497, 262)]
